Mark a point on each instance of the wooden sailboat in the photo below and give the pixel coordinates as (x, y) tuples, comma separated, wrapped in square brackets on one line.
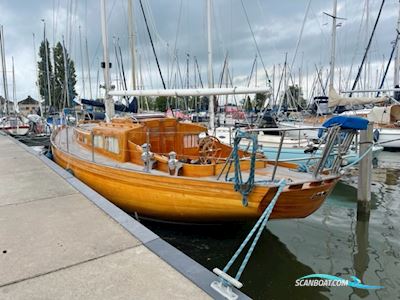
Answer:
[(168, 170), (161, 168)]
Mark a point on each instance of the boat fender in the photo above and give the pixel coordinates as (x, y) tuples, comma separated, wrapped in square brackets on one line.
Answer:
[(376, 135)]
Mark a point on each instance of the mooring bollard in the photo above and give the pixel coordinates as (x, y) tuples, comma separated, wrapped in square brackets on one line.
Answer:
[(365, 173)]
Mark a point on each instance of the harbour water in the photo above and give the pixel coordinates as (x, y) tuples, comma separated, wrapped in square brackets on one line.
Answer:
[(331, 241)]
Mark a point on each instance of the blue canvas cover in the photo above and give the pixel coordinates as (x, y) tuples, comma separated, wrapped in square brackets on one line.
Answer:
[(345, 122)]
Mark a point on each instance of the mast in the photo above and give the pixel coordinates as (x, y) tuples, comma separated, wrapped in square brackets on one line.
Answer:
[(333, 46), (66, 84), (46, 54), (108, 101), (37, 76), (88, 69), (4, 67), (14, 89), (210, 72), (397, 59), (366, 70), (132, 39), (82, 63)]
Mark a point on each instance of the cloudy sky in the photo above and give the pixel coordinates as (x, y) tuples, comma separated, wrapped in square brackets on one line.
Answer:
[(179, 28)]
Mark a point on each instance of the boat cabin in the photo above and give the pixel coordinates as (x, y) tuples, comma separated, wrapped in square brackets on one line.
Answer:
[(164, 144)]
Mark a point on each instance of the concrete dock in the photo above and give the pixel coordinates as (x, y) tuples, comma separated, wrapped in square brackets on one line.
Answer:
[(61, 240)]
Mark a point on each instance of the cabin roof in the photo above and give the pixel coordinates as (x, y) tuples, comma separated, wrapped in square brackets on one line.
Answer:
[(28, 100)]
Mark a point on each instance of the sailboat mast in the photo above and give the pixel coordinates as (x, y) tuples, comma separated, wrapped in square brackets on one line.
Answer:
[(333, 46), (66, 75), (366, 69), (132, 38), (210, 72), (108, 101), (14, 88), (4, 67), (47, 63), (82, 63), (88, 69), (37, 75), (397, 59)]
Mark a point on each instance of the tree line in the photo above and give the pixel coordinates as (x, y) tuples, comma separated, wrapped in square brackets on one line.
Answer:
[(53, 86)]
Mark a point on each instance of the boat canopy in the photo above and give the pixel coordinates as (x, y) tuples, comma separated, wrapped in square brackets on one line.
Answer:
[(345, 122), (336, 100), (385, 115)]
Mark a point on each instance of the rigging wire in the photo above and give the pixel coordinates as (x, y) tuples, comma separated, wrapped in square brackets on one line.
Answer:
[(256, 44), (368, 46), (358, 41), (301, 34), (152, 44)]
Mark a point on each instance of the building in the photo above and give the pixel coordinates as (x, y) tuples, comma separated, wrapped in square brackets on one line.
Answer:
[(28, 106), (10, 105)]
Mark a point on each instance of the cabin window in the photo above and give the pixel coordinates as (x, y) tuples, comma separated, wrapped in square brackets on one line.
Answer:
[(190, 141), (98, 141), (111, 144)]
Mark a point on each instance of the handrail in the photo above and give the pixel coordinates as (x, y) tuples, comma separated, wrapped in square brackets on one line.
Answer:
[(282, 129)]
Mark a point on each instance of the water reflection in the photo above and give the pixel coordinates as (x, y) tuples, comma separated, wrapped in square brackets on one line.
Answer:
[(361, 257), (271, 272), (332, 241)]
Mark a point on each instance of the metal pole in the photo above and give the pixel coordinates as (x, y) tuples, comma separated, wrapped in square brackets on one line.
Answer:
[(88, 69), (278, 155), (108, 101), (397, 59), (66, 75), (3, 60), (14, 88), (37, 76), (66, 132), (92, 140), (83, 93), (333, 45), (210, 71), (364, 173), (47, 64), (132, 38), (230, 136)]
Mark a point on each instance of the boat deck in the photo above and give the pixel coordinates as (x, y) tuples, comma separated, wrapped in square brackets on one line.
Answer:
[(262, 174)]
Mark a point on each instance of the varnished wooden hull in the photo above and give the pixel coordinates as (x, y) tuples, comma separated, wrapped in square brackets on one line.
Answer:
[(176, 198)]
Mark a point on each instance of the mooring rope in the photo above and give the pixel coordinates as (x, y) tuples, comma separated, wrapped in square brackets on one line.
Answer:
[(258, 227), (359, 158)]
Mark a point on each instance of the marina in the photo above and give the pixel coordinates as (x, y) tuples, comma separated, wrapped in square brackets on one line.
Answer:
[(149, 163)]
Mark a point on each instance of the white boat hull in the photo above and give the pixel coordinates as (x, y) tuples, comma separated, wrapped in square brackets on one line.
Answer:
[(226, 136), (301, 133), (388, 137)]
